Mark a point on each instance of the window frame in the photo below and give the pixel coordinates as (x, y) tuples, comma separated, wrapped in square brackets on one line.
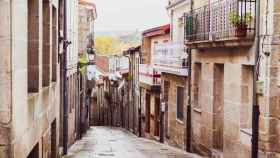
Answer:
[(183, 100)]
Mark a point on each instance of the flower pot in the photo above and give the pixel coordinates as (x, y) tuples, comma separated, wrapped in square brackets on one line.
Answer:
[(241, 30)]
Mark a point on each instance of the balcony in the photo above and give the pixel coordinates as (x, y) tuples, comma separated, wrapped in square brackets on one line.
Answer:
[(222, 23), (170, 58), (148, 75)]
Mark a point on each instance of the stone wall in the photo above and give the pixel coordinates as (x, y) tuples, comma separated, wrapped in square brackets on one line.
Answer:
[(33, 113), (5, 82), (237, 94), (175, 132), (221, 120), (148, 129)]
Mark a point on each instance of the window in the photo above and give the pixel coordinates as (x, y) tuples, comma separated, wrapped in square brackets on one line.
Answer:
[(218, 107), (46, 43), (197, 85), (54, 44), (33, 46), (180, 103), (246, 99)]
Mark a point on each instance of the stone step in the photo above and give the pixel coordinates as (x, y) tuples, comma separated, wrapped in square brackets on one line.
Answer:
[(217, 154)]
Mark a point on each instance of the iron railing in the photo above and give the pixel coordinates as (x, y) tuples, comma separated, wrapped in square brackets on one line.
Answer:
[(170, 55), (149, 75), (221, 20)]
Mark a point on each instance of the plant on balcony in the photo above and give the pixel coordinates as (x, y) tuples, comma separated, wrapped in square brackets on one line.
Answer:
[(240, 23)]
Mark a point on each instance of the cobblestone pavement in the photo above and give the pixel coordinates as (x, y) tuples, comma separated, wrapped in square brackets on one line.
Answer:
[(106, 142)]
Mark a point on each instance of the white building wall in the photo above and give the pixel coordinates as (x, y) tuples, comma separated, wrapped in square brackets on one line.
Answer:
[(72, 35), (32, 113), (176, 20)]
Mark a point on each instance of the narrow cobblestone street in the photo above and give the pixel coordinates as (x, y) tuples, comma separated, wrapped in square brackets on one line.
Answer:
[(101, 142)]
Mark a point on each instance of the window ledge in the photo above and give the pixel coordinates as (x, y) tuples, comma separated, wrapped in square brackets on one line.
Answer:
[(31, 95), (180, 121), (45, 88), (230, 42), (198, 110), (247, 131), (245, 136)]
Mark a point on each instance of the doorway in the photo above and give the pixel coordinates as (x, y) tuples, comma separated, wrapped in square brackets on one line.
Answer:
[(157, 115), (166, 98), (147, 113), (218, 107), (53, 139), (34, 152)]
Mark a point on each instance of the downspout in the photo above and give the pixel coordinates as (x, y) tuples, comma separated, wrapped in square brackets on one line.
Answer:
[(133, 91), (78, 106), (128, 93), (139, 114), (11, 80), (189, 118), (256, 111), (65, 95)]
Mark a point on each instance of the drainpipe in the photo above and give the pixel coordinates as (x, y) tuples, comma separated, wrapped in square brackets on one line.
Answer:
[(256, 111), (65, 95), (139, 114), (78, 105), (128, 93), (189, 118), (133, 93)]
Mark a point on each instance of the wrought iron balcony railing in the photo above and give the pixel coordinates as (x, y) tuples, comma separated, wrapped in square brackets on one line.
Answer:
[(149, 75), (221, 20)]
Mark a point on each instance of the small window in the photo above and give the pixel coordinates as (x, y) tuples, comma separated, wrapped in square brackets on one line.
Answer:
[(54, 44), (33, 46), (180, 103), (46, 43), (197, 85)]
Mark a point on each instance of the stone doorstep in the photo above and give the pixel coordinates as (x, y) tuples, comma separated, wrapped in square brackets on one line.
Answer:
[(245, 136), (217, 154)]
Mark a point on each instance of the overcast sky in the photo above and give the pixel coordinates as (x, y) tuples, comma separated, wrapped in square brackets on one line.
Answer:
[(114, 15)]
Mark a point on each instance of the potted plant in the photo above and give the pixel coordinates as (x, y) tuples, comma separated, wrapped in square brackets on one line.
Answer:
[(240, 23)]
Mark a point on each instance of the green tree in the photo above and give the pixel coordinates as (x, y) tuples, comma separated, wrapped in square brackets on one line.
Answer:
[(106, 45)]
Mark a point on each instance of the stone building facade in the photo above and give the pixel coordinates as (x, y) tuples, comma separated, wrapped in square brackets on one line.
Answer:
[(150, 81), (29, 72), (87, 15), (110, 87), (171, 60), (131, 91), (222, 78), (69, 130)]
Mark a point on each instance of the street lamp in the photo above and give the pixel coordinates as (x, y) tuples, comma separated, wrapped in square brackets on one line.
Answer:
[(91, 55)]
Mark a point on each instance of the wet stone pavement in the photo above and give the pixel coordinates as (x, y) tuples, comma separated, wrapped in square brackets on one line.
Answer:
[(106, 142)]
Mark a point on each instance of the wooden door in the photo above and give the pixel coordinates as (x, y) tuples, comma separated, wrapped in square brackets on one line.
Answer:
[(35, 152), (53, 140), (147, 113), (166, 98), (157, 116)]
